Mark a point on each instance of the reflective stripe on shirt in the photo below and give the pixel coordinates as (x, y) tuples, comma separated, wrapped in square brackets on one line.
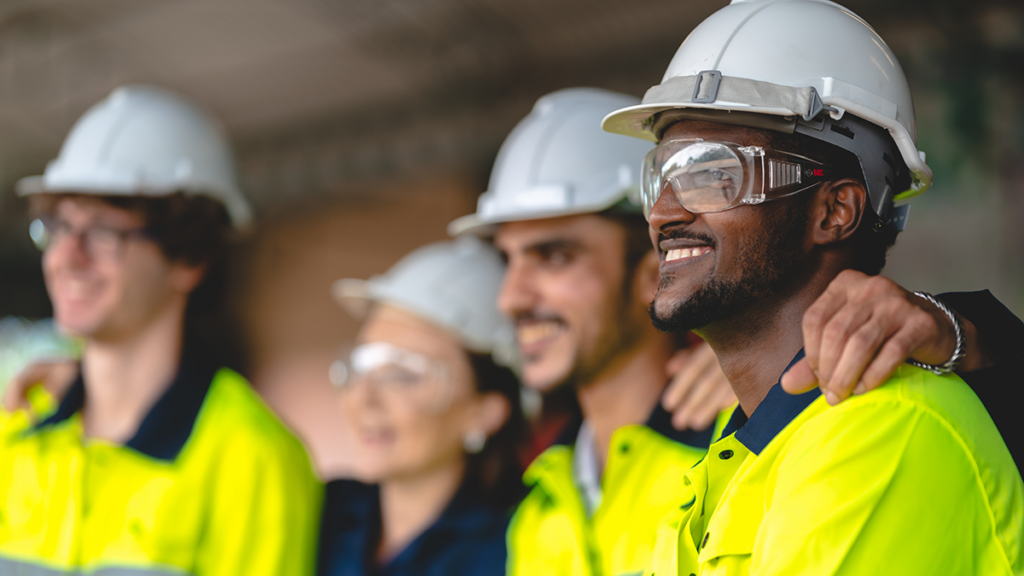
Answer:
[(16, 568)]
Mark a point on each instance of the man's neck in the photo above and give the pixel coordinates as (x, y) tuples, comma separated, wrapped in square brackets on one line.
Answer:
[(627, 391), (125, 377), (755, 347), (409, 507)]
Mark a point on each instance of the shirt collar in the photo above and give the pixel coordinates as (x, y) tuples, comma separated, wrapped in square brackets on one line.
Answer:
[(354, 509), (586, 470), (168, 425), (774, 413)]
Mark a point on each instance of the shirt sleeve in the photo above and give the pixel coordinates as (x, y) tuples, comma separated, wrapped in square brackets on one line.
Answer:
[(266, 512), (1003, 335), (878, 488)]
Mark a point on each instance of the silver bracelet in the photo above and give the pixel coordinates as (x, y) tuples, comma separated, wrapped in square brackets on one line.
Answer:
[(961, 344)]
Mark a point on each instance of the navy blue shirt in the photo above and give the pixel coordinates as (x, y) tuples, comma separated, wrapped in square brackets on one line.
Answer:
[(468, 539), (1003, 335)]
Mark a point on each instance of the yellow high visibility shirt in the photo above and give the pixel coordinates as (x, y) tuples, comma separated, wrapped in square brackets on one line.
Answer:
[(551, 532), (211, 484), (912, 478)]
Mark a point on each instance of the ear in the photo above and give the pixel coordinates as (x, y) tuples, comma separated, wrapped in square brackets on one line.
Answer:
[(186, 277), (646, 278), (838, 210), (490, 413)]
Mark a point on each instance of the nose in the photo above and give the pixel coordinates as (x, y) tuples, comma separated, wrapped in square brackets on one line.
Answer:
[(517, 291), (667, 212), (362, 393), (70, 250)]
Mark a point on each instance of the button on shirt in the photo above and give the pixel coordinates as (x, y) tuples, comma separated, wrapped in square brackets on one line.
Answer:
[(912, 478)]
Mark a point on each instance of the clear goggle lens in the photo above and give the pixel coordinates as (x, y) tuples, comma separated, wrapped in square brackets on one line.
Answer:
[(398, 375), (715, 176)]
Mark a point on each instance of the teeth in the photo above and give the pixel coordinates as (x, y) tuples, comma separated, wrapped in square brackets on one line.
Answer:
[(680, 253), (529, 333)]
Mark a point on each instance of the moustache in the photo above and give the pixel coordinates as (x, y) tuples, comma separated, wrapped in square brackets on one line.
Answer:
[(532, 316), (683, 234)]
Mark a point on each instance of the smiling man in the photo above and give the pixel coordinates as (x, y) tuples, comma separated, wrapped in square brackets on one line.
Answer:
[(565, 211), (157, 460), (580, 272), (773, 181)]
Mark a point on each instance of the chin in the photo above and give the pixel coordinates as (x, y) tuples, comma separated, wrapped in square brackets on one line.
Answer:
[(543, 378), (75, 327), (369, 472)]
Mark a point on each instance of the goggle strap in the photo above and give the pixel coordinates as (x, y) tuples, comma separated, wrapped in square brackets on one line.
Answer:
[(898, 217)]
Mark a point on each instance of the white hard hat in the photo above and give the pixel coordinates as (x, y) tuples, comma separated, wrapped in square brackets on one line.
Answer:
[(143, 140), (557, 161), (787, 58), (453, 284)]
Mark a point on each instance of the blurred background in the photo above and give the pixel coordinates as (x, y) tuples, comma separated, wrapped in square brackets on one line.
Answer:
[(362, 127)]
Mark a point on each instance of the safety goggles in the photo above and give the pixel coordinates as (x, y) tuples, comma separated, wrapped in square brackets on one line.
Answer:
[(400, 376), (99, 241), (714, 176)]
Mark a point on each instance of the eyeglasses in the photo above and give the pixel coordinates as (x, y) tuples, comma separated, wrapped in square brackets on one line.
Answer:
[(716, 176), (99, 241), (400, 376)]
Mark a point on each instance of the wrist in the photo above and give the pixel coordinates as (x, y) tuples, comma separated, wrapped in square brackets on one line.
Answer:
[(960, 346)]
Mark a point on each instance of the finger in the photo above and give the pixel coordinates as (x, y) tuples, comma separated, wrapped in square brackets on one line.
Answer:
[(840, 328), (799, 378), (816, 318), (709, 411), (894, 352), (702, 394), (690, 368), (678, 360), (857, 353), (16, 394), (683, 409)]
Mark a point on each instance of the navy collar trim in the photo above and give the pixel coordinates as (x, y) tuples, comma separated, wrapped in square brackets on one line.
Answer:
[(354, 507), (773, 414), (659, 420), (169, 423)]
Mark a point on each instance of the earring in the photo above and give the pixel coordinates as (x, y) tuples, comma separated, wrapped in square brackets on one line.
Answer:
[(474, 440)]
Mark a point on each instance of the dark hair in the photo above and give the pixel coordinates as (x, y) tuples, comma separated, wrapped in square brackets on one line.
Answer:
[(871, 240), (496, 471), (192, 229), (188, 228), (638, 240)]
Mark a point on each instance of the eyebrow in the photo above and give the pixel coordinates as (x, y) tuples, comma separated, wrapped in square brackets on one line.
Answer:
[(553, 245), (544, 246)]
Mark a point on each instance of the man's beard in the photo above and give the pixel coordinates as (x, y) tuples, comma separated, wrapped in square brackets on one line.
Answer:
[(770, 263), (621, 333)]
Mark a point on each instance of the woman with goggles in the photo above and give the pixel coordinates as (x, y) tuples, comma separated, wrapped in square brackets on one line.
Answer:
[(434, 421)]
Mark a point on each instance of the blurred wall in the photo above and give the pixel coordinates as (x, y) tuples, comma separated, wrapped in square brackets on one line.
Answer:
[(293, 326)]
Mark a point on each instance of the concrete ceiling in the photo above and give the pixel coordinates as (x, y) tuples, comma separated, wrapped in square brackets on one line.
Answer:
[(322, 95), (279, 71)]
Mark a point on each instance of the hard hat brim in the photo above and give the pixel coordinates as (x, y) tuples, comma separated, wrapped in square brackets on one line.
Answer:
[(355, 296), (235, 204), (471, 224)]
